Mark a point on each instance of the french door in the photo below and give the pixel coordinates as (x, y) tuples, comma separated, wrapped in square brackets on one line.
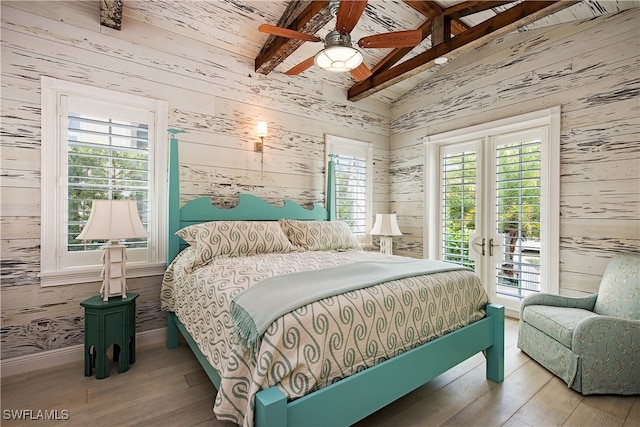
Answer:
[(494, 214)]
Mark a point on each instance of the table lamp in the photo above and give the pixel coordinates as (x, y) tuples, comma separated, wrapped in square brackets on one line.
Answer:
[(386, 225), (113, 220)]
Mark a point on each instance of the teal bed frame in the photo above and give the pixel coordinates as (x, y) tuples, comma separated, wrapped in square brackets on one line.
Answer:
[(353, 398)]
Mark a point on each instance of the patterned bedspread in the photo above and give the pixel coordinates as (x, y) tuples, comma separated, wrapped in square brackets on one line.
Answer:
[(320, 343)]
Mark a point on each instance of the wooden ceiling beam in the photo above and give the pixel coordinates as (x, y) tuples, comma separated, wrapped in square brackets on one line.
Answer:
[(431, 10), (521, 14), (111, 13), (440, 29), (305, 16), (470, 7)]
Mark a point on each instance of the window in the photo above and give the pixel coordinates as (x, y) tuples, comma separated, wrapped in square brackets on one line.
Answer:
[(496, 193), (354, 183), (99, 144)]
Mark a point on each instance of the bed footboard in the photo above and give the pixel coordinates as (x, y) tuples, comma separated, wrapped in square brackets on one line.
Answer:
[(400, 375)]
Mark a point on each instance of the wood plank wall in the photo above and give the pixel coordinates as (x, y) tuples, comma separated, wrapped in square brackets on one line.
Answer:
[(213, 95), (592, 70)]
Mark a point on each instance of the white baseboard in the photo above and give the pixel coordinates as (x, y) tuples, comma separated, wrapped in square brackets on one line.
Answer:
[(514, 314), (74, 353)]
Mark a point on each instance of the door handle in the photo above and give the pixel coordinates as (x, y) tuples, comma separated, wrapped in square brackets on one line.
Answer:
[(491, 246), (482, 245)]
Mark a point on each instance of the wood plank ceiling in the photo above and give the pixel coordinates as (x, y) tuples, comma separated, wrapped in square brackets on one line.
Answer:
[(449, 35), (447, 28)]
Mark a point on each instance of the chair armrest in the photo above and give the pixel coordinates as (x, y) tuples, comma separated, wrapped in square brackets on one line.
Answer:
[(585, 303), (612, 333), (607, 348)]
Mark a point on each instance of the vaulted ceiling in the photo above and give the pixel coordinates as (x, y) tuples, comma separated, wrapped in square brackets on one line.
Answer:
[(448, 28), (442, 29)]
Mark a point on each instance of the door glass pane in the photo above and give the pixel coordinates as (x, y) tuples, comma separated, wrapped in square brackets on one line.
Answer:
[(458, 206), (518, 217)]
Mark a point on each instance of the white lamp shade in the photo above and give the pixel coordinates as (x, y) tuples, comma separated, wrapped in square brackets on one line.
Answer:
[(261, 130), (386, 225), (113, 220), (338, 58)]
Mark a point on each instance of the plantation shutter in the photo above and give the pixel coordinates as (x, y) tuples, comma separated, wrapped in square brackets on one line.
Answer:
[(458, 178), (351, 192), (518, 172), (106, 159)]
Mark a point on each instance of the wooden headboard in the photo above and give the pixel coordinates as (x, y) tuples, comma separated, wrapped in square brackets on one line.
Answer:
[(249, 207)]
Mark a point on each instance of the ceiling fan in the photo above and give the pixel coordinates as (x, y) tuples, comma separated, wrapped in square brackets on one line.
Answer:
[(338, 54)]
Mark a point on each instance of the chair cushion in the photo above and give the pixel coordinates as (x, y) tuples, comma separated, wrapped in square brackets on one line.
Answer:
[(619, 292), (557, 322)]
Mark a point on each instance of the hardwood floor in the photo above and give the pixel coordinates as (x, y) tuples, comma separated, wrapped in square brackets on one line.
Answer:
[(168, 388)]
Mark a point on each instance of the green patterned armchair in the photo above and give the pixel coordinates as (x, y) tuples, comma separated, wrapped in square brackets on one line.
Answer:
[(592, 343)]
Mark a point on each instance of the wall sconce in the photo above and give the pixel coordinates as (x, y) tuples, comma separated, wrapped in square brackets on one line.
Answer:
[(386, 225), (261, 132)]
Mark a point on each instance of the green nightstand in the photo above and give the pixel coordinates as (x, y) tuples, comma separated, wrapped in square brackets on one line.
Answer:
[(106, 323)]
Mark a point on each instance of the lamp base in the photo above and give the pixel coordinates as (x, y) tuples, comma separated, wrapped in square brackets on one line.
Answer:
[(114, 274), (386, 245)]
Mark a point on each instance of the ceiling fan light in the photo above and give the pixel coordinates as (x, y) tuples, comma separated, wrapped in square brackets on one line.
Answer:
[(338, 58)]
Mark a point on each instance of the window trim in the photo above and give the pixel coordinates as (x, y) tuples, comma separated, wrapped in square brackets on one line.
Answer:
[(52, 273), (341, 145), (550, 205)]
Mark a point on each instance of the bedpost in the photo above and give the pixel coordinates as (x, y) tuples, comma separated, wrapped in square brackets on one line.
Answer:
[(172, 331), (495, 353), (174, 196), (330, 203), (270, 408)]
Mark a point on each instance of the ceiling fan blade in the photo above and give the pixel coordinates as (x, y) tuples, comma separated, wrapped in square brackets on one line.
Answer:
[(349, 13), (396, 39), (285, 32), (361, 72), (301, 67)]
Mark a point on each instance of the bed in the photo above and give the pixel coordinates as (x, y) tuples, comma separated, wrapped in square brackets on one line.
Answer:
[(283, 378)]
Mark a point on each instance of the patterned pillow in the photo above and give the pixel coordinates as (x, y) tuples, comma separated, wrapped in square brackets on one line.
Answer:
[(319, 235), (218, 239)]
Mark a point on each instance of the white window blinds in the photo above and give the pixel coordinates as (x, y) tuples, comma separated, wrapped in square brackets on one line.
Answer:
[(107, 159), (351, 192), (353, 162), (518, 217), (458, 205)]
